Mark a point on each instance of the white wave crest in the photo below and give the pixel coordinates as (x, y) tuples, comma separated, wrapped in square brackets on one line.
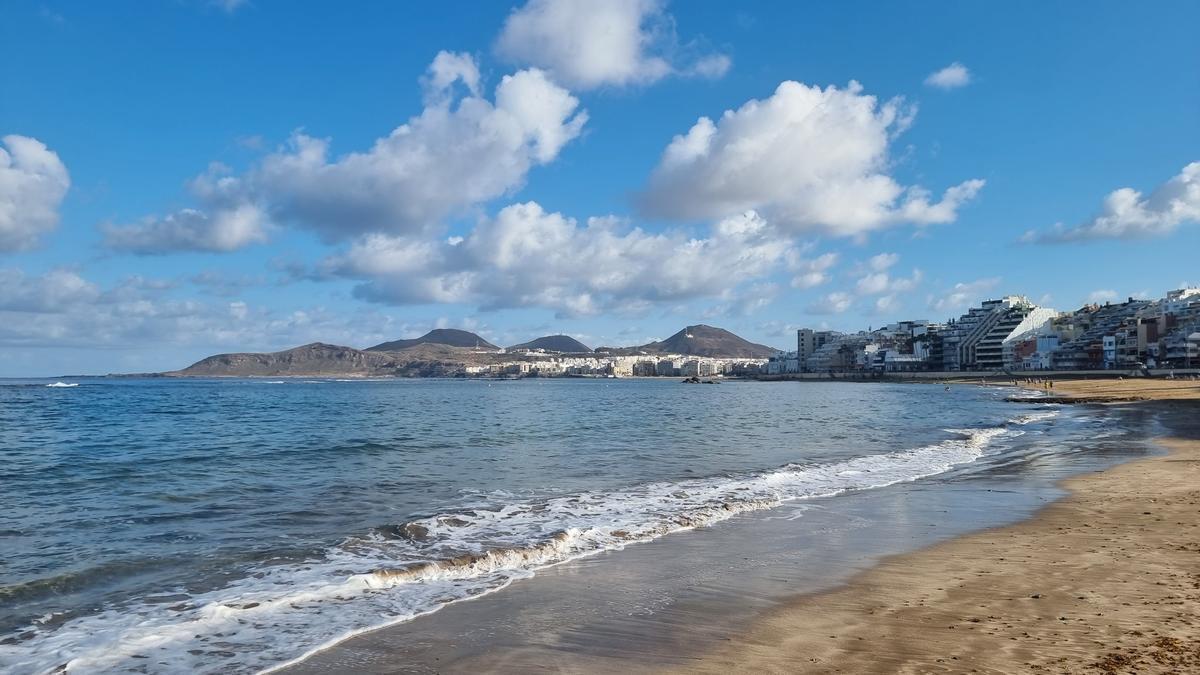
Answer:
[(280, 614)]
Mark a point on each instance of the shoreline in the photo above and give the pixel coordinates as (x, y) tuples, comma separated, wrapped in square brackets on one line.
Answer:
[(1116, 390), (673, 637), (1104, 580)]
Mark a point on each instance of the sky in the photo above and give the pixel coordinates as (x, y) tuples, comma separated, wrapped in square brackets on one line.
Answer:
[(185, 177)]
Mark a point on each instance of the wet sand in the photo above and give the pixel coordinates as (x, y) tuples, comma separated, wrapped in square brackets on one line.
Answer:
[(1115, 569), (656, 605), (1104, 581)]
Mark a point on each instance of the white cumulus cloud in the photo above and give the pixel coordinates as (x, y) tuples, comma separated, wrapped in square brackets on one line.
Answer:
[(882, 282), (963, 294), (836, 302), (61, 308), (528, 257), (230, 220), (459, 152), (811, 272), (883, 261), (875, 278), (224, 229), (52, 292), (952, 76), (1102, 295), (33, 182), (1128, 214), (438, 164), (807, 158), (879, 290), (712, 67), (447, 69), (887, 303), (593, 43)]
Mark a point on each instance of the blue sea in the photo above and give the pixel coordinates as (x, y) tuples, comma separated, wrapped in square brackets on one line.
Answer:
[(203, 526)]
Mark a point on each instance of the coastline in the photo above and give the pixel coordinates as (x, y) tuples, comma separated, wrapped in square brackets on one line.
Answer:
[(1120, 390), (1101, 581), (657, 608)]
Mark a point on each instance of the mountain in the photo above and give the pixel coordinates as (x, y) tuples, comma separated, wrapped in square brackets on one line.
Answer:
[(323, 360), (700, 340), (555, 343), (446, 353), (316, 359), (439, 336)]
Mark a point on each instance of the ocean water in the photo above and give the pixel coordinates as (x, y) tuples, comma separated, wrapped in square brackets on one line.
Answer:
[(239, 525)]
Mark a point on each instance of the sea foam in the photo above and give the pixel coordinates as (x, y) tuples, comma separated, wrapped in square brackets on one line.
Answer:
[(279, 613)]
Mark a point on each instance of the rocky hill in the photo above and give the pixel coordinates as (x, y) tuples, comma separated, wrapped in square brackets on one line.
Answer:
[(450, 337), (314, 359), (323, 360), (700, 340), (428, 356), (555, 343)]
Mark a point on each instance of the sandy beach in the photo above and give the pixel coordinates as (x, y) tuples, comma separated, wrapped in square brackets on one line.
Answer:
[(1105, 581), (1160, 389)]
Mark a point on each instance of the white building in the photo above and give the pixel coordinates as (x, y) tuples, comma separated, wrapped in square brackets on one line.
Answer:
[(1177, 301)]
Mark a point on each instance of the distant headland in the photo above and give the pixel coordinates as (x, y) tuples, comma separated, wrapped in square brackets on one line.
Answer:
[(697, 351)]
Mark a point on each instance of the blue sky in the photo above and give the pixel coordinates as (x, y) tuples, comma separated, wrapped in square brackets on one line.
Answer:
[(189, 177)]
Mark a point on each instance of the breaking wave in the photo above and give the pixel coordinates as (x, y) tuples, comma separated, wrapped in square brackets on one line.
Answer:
[(281, 612)]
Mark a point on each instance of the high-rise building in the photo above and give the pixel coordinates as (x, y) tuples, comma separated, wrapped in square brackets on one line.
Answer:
[(977, 340), (808, 342)]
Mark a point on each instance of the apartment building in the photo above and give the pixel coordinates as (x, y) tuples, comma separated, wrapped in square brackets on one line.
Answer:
[(976, 341), (808, 341)]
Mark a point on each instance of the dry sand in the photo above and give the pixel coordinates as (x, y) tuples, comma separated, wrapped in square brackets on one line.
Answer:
[(1104, 581), (1133, 388)]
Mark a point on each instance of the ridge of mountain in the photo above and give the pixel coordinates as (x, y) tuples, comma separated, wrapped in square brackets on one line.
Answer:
[(429, 356), (452, 337), (555, 343), (699, 340), (311, 359)]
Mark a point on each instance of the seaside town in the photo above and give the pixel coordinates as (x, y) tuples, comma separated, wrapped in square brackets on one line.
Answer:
[(1006, 335), (1009, 334), (539, 363), (351, 338), (1013, 334)]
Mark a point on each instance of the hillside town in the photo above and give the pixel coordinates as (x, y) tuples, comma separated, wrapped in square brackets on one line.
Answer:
[(1012, 334)]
